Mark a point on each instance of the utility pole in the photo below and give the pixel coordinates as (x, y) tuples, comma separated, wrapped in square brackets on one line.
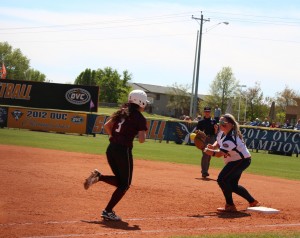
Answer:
[(193, 84), (240, 89), (195, 101)]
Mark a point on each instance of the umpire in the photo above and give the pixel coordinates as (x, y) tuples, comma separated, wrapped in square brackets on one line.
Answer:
[(210, 128)]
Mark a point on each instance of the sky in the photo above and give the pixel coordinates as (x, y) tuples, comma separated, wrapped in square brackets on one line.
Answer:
[(156, 40)]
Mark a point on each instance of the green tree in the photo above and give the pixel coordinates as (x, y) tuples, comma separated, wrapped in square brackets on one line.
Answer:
[(87, 77), (180, 99), (222, 88), (17, 65), (34, 75), (124, 87), (255, 103), (285, 98), (114, 88)]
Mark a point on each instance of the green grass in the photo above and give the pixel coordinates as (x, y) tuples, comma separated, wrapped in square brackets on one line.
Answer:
[(262, 164)]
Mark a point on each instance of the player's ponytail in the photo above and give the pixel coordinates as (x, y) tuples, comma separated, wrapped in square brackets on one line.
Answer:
[(124, 112)]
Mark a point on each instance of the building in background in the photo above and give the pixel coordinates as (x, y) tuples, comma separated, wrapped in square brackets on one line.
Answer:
[(159, 96), (293, 112)]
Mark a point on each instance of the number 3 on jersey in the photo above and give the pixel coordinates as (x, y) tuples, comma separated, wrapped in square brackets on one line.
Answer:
[(120, 125)]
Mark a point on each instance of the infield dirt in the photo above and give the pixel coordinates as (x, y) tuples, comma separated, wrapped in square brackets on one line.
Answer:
[(42, 195)]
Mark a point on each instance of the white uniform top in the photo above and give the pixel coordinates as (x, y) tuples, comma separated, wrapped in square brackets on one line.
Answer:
[(233, 146)]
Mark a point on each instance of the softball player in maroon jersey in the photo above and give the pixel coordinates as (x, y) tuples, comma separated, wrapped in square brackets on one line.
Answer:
[(237, 158), (122, 128)]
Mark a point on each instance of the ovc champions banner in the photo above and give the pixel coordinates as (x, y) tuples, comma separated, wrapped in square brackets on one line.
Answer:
[(275, 140), (285, 141)]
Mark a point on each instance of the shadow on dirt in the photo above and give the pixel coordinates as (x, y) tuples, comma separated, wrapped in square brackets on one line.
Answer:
[(224, 215), (121, 225), (206, 179)]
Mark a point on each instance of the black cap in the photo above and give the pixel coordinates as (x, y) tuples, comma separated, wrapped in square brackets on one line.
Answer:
[(207, 109)]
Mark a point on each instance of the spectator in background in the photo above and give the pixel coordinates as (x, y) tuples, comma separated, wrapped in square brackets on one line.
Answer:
[(255, 123), (198, 118), (297, 126), (182, 117), (273, 125), (287, 125), (217, 113), (188, 119), (265, 123)]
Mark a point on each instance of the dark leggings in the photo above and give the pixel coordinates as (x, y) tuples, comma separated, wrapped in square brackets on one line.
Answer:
[(121, 163), (228, 180)]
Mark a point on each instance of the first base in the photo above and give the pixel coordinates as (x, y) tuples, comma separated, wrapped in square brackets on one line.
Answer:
[(263, 209)]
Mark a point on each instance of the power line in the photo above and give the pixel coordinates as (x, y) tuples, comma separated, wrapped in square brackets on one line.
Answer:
[(219, 16), (126, 20), (152, 21)]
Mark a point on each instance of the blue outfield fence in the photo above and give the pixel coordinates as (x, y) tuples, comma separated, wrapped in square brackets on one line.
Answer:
[(277, 141), (259, 138)]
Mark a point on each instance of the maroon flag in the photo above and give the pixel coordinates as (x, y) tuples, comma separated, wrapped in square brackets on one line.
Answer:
[(3, 71)]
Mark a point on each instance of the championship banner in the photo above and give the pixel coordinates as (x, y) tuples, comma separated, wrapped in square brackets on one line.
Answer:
[(46, 120), (49, 95), (273, 140)]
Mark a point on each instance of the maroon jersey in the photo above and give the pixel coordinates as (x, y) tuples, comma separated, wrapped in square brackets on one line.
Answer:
[(124, 130)]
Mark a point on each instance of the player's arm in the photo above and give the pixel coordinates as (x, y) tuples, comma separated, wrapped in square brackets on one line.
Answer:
[(213, 146), (216, 153), (142, 136)]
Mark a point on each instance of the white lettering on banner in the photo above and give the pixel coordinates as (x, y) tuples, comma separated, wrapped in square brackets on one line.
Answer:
[(273, 144), (275, 135), (78, 96), (294, 136), (296, 149), (262, 145), (279, 147), (250, 133), (259, 134), (252, 144), (264, 137), (285, 149), (286, 136), (284, 141)]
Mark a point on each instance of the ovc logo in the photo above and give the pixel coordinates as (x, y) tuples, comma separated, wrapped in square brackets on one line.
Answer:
[(78, 96), (77, 119), (17, 114)]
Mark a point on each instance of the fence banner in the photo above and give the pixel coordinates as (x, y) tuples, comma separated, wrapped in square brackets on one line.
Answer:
[(274, 140), (3, 116), (46, 120), (49, 95), (180, 131), (157, 130)]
